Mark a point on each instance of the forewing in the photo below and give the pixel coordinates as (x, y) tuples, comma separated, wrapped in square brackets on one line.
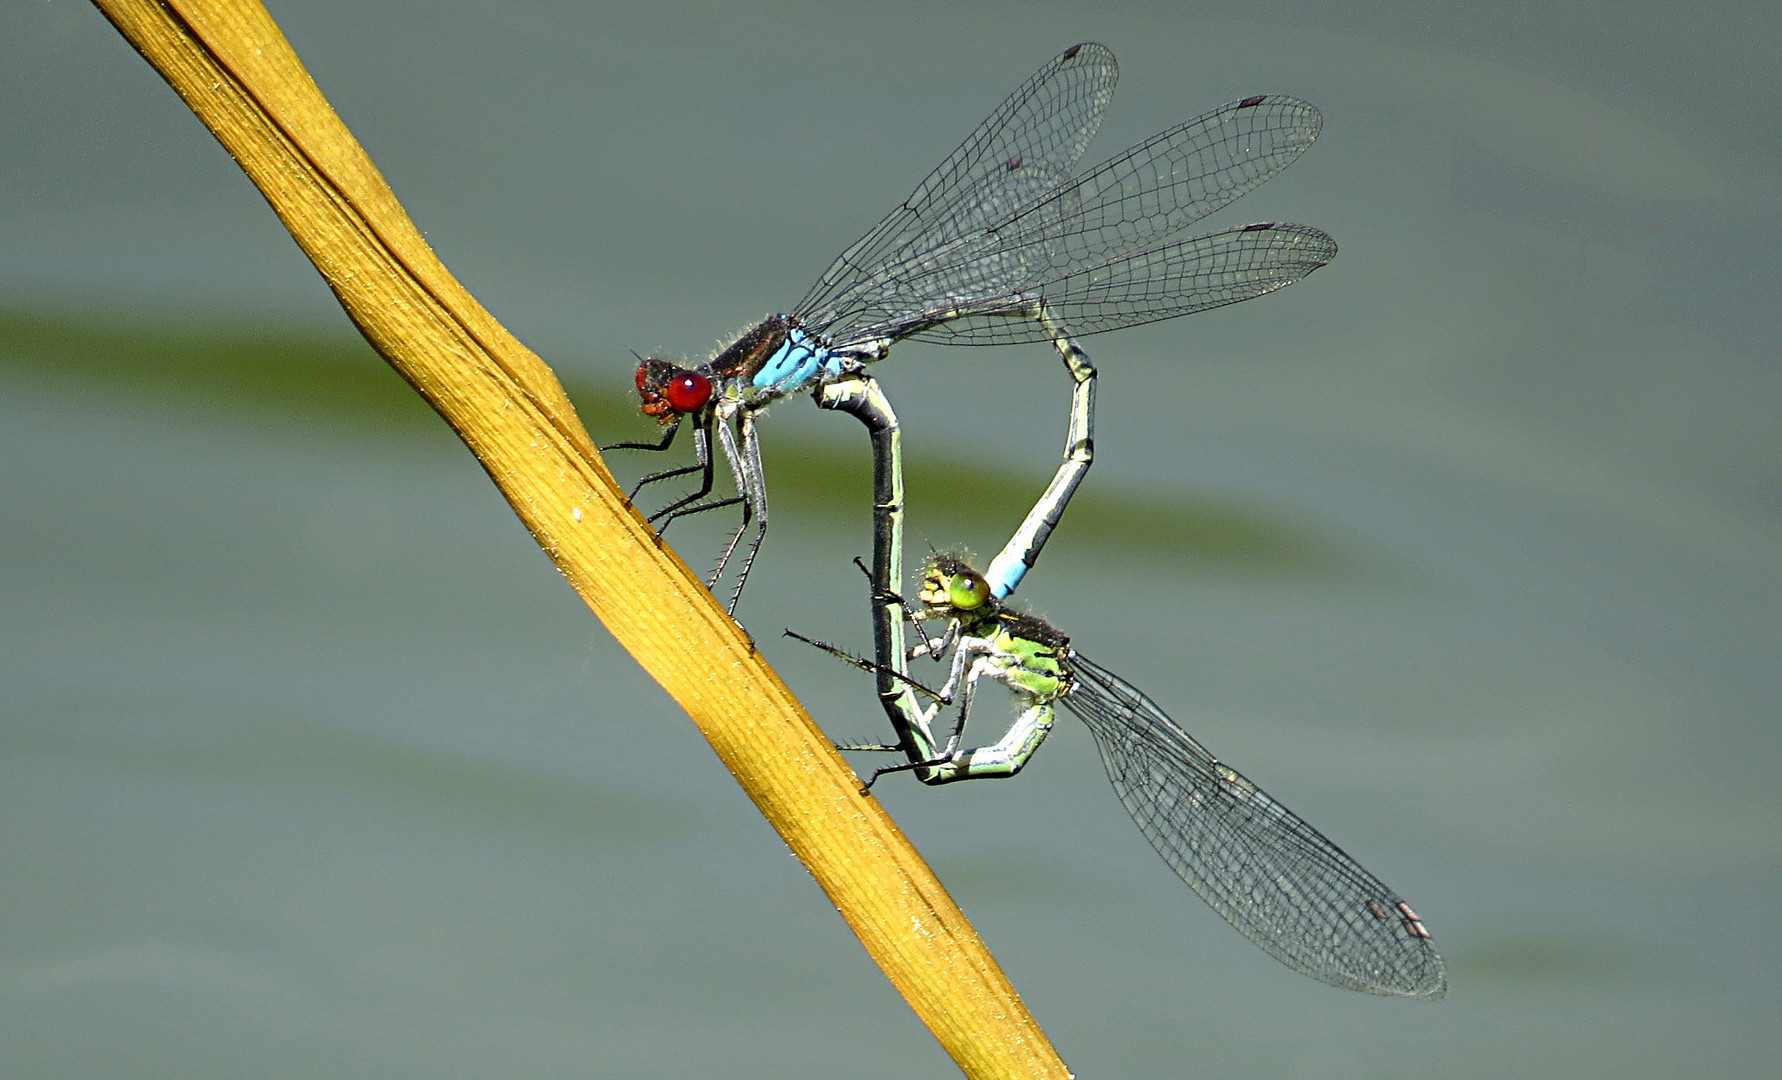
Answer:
[(1279, 881), (1094, 249), (1124, 209), (1165, 184), (1034, 138)]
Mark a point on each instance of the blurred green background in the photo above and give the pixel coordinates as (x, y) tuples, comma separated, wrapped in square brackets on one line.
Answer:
[(1467, 548)]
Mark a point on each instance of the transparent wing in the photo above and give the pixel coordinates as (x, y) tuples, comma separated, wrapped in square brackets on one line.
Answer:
[(1279, 881), (1024, 232), (1028, 146), (1167, 182), (1145, 286)]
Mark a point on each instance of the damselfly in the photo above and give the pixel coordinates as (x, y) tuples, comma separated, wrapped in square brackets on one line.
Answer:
[(1003, 243), (1271, 875)]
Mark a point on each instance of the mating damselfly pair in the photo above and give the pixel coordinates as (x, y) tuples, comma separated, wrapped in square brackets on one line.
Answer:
[(1005, 243)]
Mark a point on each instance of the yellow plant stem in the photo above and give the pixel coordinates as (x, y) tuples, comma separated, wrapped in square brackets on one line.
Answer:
[(234, 68)]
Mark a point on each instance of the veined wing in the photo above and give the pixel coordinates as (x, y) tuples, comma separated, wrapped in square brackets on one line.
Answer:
[(1035, 137), (1143, 286), (1121, 212), (1279, 881), (1166, 183)]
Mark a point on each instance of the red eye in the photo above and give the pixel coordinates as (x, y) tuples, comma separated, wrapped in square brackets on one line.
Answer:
[(688, 391), (643, 375)]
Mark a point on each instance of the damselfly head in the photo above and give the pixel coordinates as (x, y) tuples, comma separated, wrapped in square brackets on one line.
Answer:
[(950, 582), (669, 390)]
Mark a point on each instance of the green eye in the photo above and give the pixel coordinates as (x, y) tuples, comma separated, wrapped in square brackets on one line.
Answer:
[(967, 591)]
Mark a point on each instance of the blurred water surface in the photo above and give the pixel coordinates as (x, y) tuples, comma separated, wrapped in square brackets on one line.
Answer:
[(1466, 548)]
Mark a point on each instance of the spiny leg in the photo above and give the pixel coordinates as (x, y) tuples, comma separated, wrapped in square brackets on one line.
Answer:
[(933, 769), (702, 462), (668, 515), (745, 462), (974, 658), (864, 664), (867, 665), (967, 655), (669, 431), (1008, 755), (934, 648), (1003, 758), (744, 457), (703, 465), (750, 492)]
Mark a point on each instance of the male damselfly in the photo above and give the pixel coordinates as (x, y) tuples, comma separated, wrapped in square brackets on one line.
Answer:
[(1003, 243)]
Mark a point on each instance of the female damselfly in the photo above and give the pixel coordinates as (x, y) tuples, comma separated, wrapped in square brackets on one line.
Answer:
[(1003, 243), (1271, 875)]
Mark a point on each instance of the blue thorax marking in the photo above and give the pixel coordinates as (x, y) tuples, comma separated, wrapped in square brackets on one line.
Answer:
[(795, 363)]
